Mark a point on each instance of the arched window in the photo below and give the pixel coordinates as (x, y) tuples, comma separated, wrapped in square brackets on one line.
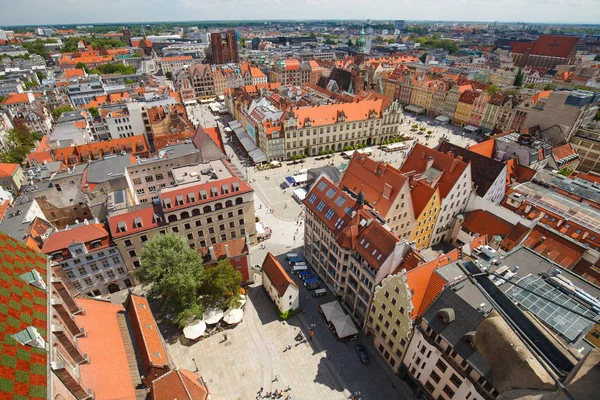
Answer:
[(206, 209), (228, 203), (184, 215), (239, 200), (172, 218), (196, 211), (218, 206)]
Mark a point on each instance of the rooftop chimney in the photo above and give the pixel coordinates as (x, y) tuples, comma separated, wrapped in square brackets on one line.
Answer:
[(211, 250), (227, 250)]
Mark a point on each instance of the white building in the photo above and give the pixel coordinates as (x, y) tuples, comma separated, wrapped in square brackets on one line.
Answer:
[(89, 258), (171, 64), (278, 284)]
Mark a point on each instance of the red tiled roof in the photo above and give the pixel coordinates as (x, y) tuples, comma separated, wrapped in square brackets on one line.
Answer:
[(148, 217), (104, 345), (562, 152), (468, 96), (451, 168), (486, 223), (235, 248), (554, 46), (16, 98), (81, 234), (179, 384), (23, 368), (521, 47), (70, 73), (215, 135), (276, 274), (554, 247), (176, 58), (421, 195), (8, 170), (485, 148), (3, 207), (379, 181), (148, 337), (515, 237), (590, 177)]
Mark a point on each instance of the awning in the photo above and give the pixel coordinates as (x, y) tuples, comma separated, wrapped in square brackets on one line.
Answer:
[(212, 316), (257, 155), (396, 146), (234, 124), (260, 231), (332, 310), (194, 330), (471, 128), (344, 326), (302, 178), (300, 193), (414, 109), (442, 118), (233, 316)]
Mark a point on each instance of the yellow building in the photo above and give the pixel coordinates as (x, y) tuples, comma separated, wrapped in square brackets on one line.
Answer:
[(426, 205), (464, 107), (421, 95)]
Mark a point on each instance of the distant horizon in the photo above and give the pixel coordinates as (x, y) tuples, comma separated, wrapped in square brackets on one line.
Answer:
[(24, 13), (364, 21)]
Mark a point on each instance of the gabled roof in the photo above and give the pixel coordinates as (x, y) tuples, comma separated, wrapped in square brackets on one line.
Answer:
[(23, 368), (421, 195), (151, 216), (451, 169), (555, 46), (81, 234), (379, 181), (552, 246), (484, 170), (564, 152), (276, 274), (486, 223), (73, 72), (330, 114), (7, 170), (179, 384), (16, 98)]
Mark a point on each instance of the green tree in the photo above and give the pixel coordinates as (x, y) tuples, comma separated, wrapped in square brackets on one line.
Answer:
[(519, 78), (492, 88), (94, 111), (129, 81), (119, 68), (548, 87), (597, 117), (30, 84), (423, 57), (329, 41), (1, 99), (58, 111), (20, 141), (82, 66), (349, 43), (169, 75), (220, 286), (40, 75), (173, 273), (565, 171)]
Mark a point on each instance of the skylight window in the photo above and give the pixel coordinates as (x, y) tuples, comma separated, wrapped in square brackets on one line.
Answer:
[(330, 193), (312, 198), (340, 201), (321, 186)]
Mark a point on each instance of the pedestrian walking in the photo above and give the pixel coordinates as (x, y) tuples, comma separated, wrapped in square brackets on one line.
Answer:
[(276, 378)]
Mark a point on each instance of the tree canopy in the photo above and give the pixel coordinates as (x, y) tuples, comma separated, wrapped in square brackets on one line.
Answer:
[(492, 88), (519, 78), (20, 142), (221, 286), (104, 69), (174, 274), (70, 44), (433, 43), (58, 111), (93, 111)]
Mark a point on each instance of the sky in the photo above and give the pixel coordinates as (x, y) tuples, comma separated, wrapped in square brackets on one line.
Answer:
[(40, 12)]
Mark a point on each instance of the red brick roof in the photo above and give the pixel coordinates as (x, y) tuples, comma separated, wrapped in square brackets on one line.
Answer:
[(81, 234), (235, 248), (379, 181), (515, 237), (70, 73), (276, 274), (104, 345), (176, 58), (179, 384), (23, 368)]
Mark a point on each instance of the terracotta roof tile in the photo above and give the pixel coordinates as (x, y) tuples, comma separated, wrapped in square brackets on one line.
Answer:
[(486, 223), (179, 384), (7, 170), (176, 58), (329, 114), (150, 217), (379, 181), (70, 73), (421, 195), (564, 151), (276, 274), (82, 234), (16, 98), (553, 246), (555, 46)]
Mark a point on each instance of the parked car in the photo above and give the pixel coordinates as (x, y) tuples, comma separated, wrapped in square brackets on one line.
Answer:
[(362, 354)]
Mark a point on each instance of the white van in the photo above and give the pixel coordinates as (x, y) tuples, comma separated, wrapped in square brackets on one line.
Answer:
[(298, 268), (291, 255), (300, 264), (319, 292)]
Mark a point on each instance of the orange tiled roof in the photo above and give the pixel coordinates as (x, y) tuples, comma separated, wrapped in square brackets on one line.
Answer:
[(562, 152), (3, 207), (103, 343), (421, 195), (16, 98), (148, 337), (73, 72), (451, 168), (554, 46), (216, 137), (179, 384), (257, 73), (330, 114), (176, 58), (7, 170), (149, 217), (379, 181), (82, 234), (554, 247), (276, 274), (485, 148), (486, 223)]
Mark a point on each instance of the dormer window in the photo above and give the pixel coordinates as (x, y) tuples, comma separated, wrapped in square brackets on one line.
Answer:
[(167, 203), (446, 315), (137, 223), (121, 226), (225, 189), (203, 195), (57, 256), (94, 245), (30, 337), (236, 186), (214, 192), (179, 200), (191, 197), (34, 279)]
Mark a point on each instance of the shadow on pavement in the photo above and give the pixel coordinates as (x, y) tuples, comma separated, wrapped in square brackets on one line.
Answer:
[(263, 304)]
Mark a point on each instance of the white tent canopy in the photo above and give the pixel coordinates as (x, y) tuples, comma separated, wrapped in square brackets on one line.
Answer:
[(344, 326), (233, 316), (300, 193), (471, 128), (260, 231), (332, 310), (212, 316), (194, 330), (442, 118)]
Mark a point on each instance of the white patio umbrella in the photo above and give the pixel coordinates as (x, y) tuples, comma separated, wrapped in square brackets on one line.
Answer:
[(233, 316), (212, 316), (242, 300), (194, 330)]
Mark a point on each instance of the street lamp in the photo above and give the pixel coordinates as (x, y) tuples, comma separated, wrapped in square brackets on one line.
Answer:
[(195, 365)]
